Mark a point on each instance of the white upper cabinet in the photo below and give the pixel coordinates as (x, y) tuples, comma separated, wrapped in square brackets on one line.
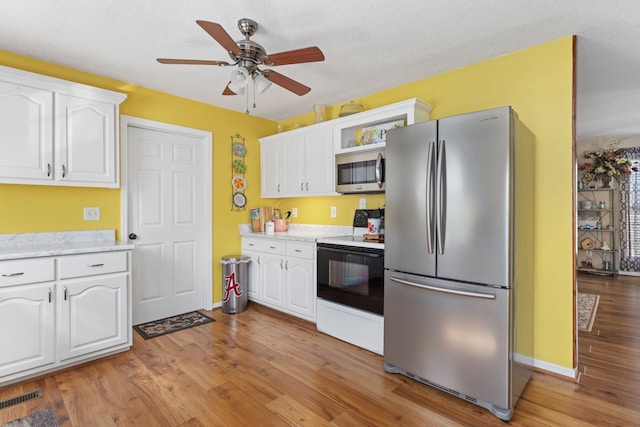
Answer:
[(86, 141), (55, 132), (349, 130), (320, 162), (301, 162), (298, 163), (270, 165), (26, 132)]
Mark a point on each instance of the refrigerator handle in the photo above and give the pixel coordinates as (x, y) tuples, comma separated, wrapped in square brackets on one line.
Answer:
[(480, 295), (441, 197), (429, 198), (379, 170)]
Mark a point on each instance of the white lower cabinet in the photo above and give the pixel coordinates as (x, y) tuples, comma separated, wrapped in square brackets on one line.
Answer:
[(253, 289), (284, 272), (26, 328), (59, 311), (93, 315), (273, 280)]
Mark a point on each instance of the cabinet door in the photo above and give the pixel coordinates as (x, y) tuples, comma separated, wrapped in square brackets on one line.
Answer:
[(293, 166), (26, 134), (273, 280), (320, 162), (254, 287), (300, 289), (93, 314), (26, 327), (270, 169), (85, 142)]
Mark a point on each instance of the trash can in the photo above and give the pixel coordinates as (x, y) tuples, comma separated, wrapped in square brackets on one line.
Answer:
[(235, 274)]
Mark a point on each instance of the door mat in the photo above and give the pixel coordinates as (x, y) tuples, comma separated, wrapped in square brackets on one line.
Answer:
[(172, 324), (587, 308), (44, 418)]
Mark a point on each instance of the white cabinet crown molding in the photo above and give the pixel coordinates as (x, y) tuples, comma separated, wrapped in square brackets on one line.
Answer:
[(54, 84)]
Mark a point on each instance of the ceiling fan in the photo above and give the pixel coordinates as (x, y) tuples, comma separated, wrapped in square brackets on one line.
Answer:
[(248, 55)]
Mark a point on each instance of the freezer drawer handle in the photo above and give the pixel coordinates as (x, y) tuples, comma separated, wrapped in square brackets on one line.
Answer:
[(446, 291)]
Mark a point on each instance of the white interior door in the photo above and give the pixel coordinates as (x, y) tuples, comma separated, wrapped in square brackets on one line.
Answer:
[(168, 199)]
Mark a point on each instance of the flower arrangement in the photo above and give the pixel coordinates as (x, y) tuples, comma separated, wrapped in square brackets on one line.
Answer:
[(605, 164)]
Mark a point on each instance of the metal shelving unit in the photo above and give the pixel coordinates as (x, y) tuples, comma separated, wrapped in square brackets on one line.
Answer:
[(597, 227)]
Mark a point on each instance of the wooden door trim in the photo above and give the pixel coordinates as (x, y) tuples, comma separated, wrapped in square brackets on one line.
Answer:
[(207, 194)]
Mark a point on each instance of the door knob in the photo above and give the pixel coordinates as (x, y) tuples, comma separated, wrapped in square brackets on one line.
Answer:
[(133, 236)]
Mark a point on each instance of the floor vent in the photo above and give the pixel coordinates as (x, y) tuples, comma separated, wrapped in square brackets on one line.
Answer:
[(25, 397)]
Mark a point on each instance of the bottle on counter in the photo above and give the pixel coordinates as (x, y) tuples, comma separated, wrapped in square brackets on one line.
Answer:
[(269, 228)]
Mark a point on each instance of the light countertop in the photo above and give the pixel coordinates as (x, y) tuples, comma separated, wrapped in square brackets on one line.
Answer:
[(33, 245), (300, 232)]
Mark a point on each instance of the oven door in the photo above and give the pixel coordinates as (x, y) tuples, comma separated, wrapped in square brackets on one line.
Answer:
[(352, 276)]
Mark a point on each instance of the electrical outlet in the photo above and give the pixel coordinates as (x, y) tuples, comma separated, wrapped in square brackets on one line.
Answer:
[(334, 212), (363, 203), (92, 214), (294, 212)]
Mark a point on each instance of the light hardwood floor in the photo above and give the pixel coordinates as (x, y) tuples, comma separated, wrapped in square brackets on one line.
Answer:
[(263, 368)]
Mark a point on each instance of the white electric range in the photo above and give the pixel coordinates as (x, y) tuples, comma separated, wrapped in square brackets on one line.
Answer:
[(350, 285)]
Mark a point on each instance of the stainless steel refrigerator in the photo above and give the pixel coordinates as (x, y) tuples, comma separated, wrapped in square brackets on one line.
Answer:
[(458, 309)]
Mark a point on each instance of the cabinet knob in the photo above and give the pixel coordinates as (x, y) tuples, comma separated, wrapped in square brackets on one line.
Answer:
[(133, 236)]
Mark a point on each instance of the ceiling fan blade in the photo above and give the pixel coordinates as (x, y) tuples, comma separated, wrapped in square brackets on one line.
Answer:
[(298, 56), (221, 36), (287, 83), (191, 62), (228, 91)]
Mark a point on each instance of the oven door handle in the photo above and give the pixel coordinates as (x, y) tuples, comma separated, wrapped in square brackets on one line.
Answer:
[(348, 252)]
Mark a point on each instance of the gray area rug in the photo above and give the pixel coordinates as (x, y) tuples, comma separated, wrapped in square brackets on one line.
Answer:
[(44, 418), (172, 324), (587, 308)]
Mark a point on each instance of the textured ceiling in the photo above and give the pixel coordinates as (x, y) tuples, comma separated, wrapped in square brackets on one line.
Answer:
[(369, 45)]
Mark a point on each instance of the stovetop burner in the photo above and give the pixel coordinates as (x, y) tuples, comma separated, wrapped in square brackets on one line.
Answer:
[(360, 229)]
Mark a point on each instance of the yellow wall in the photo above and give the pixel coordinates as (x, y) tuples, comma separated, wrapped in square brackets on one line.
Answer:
[(31, 208), (538, 83)]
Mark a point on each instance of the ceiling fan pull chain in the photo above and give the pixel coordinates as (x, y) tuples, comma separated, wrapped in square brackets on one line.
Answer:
[(247, 112), (254, 95)]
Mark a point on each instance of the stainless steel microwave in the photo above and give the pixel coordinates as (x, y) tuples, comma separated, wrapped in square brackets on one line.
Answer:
[(361, 172)]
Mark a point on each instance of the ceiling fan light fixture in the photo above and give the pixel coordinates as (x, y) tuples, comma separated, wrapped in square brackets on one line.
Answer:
[(261, 82), (240, 77), (237, 89), (248, 56)]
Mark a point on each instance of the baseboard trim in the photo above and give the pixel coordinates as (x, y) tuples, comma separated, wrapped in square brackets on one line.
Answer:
[(562, 372)]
